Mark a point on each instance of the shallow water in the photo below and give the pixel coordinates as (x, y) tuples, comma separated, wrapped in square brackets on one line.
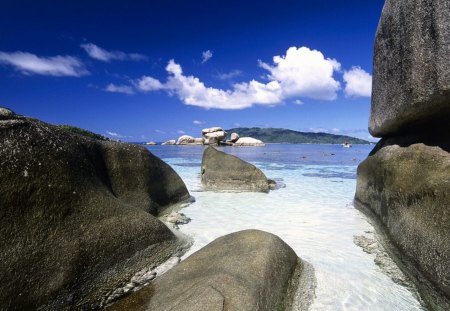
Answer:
[(313, 213)]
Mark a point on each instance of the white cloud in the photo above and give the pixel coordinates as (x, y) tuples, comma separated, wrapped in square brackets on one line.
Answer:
[(358, 83), (160, 132), (58, 66), (181, 132), (206, 56), (147, 84), (125, 89), (197, 122), (300, 73), (229, 75), (101, 54), (305, 73), (335, 130), (116, 135), (298, 102)]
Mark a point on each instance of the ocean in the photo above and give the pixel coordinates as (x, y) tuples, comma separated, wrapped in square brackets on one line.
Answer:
[(312, 211)]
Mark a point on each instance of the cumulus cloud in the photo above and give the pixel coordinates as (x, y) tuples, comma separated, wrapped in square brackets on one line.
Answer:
[(197, 122), (103, 55), (298, 102), (206, 56), (300, 73), (181, 132), (147, 84), (113, 134), (358, 83), (125, 89), (58, 66), (229, 75)]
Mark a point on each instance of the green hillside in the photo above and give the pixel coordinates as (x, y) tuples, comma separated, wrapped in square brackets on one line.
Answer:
[(278, 135)]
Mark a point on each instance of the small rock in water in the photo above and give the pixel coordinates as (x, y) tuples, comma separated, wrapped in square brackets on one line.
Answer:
[(178, 218)]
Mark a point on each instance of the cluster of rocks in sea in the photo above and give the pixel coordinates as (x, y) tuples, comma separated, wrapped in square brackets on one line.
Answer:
[(404, 184), (215, 136), (80, 227)]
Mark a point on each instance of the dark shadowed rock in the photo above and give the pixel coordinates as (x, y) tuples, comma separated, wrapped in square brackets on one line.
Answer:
[(77, 215), (247, 270), (221, 171), (411, 79), (405, 185)]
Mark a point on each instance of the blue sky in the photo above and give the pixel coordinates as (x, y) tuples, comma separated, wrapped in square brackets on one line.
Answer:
[(153, 70)]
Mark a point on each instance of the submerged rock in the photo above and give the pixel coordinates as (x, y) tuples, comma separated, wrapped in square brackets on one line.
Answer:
[(77, 215), (221, 171), (411, 76), (246, 270)]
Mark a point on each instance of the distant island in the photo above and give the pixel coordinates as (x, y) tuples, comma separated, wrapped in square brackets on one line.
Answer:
[(279, 135)]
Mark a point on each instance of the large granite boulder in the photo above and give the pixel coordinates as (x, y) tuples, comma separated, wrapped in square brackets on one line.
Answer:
[(405, 186), (247, 270), (234, 137), (169, 142), (77, 215), (185, 140), (411, 77), (213, 135), (221, 171), (248, 142)]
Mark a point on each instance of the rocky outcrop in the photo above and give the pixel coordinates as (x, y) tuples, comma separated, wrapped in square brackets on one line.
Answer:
[(404, 183), (247, 270), (199, 141), (248, 142), (234, 137), (77, 215), (411, 76), (185, 140), (213, 135), (221, 171), (169, 142)]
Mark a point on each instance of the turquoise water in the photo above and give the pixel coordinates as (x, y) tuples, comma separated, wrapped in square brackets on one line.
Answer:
[(313, 213)]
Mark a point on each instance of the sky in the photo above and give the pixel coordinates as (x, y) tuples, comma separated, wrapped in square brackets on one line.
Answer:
[(155, 70)]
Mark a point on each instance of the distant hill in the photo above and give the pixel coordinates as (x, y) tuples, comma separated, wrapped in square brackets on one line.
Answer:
[(278, 135)]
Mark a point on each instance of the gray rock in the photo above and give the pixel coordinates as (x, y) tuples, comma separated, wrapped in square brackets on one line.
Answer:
[(247, 270), (221, 171), (199, 141), (77, 215), (405, 186), (411, 78)]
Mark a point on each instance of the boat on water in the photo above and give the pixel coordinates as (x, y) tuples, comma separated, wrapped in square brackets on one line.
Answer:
[(346, 145)]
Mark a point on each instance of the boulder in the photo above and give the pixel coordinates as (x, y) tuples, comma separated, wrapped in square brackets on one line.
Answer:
[(234, 137), (411, 76), (213, 135), (405, 186), (248, 142), (246, 270), (199, 141), (169, 142), (77, 215), (185, 140), (221, 171), (6, 113)]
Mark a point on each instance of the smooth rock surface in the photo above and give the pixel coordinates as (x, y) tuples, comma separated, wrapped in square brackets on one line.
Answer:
[(199, 141), (411, 76), (185, 140), (76, 215), (169, 142), (221, 171), (246, 270), (405, 186), (234, 137), (249, 142)]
